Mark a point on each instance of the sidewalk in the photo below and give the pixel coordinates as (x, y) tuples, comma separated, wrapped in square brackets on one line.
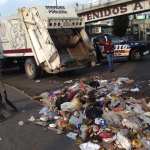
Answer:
[(28, 136)]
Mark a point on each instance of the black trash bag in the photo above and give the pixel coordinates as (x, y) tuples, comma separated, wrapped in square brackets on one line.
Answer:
[(61, 100), (93, 111), (91, 96), (94, 84)]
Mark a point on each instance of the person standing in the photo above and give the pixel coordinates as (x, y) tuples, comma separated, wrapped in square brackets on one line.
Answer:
[(109, 50), (97, 50)]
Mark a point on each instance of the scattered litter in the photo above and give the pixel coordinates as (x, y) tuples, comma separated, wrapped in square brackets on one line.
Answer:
[(135, 90), (44, 95), (68, 82), (31, 119), (123, 142), (98, 113), (129, 124), (1, 139), (57, 117), (72, 135), (44, 111), (121, 80), (89, 146), (41, 123), (146, 143), (20, 123), (44, 118), (37, 81), (52, 125)]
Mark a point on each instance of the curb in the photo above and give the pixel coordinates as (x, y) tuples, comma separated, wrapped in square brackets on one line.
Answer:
[(19, 91)]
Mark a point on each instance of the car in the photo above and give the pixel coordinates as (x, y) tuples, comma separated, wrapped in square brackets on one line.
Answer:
[(125, 47)]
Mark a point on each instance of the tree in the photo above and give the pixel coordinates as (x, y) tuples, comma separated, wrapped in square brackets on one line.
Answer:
[(120, 25)]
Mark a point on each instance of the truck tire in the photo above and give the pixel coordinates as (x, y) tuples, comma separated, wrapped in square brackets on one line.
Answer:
[(135, 55), (31, 69)]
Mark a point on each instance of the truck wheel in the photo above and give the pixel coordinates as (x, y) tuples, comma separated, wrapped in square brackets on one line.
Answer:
[(135, 55), (31, 68)]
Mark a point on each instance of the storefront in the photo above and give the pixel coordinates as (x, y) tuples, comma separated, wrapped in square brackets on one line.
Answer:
[(141, 29), (94, 29)]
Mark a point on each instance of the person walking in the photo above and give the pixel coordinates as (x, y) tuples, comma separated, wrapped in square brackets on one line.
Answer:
[(109, 50)]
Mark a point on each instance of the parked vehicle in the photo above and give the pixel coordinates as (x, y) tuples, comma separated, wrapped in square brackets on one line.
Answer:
[(133, 50), (50, 38)]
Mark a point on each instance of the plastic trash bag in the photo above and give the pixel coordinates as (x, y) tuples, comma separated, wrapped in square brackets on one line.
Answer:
[(44, 95), (145, 118), (135, 90), (146, 143), (122, 141), (44, 111), (112, 118), (121, 80), (75, 121), (72, 135), (130, 124), (89, 146), (75, 104)]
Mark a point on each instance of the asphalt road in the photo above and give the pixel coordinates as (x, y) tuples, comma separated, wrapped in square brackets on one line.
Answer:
[(28, 136), (138, 70), (33, 137)]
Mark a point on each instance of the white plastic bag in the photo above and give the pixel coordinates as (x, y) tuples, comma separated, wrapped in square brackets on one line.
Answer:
[(123, 142), (89, 146)]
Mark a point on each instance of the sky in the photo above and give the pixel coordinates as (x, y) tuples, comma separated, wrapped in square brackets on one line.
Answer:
[(8, 7)]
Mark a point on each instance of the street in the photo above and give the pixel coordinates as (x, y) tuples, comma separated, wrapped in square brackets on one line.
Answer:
[(75, 75), (15, 137), (28, 136), (137, 70)]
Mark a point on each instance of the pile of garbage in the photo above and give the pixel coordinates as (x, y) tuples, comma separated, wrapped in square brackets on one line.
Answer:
[(98, 114)]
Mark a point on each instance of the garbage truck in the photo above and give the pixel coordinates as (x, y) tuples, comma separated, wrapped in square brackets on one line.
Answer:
[(49, 38)]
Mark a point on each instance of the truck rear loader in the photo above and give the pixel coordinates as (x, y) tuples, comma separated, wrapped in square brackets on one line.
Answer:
[(49, 38)]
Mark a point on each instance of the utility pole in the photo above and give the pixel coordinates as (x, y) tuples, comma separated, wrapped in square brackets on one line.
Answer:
[(56, 3)]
